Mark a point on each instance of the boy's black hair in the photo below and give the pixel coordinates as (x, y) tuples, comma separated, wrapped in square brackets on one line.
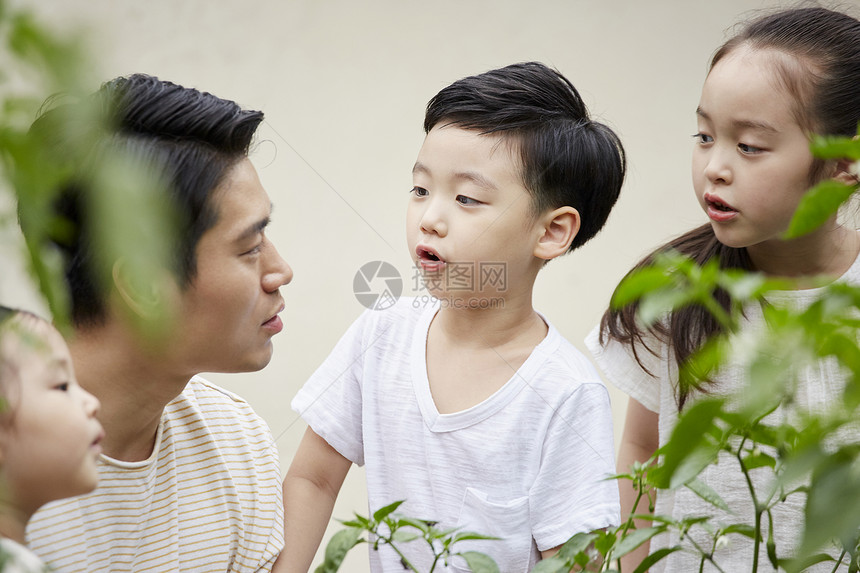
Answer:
[(192, 138), (567, 158)]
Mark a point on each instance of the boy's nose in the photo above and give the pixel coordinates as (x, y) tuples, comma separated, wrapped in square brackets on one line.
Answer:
[(432, 222)]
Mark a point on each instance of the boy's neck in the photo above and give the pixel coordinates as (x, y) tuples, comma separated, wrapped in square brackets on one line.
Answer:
[(489, 327), (471, 353), (133, 387)]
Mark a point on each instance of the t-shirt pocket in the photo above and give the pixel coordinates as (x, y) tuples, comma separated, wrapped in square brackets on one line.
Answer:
[(515, 550)]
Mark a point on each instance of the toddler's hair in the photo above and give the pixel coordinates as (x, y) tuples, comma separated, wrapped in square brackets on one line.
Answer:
[(567, 158)]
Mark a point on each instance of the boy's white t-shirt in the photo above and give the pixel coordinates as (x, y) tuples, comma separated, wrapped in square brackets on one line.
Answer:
[(527, 465)]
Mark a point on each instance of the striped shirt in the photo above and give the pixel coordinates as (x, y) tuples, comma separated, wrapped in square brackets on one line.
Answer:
[(207, 499)]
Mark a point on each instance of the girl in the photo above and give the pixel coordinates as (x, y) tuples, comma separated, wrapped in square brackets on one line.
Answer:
[(49, 435), (783, 77)]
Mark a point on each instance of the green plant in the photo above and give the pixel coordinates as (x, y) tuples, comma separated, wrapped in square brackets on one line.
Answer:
[(385, 527), (131, 220)]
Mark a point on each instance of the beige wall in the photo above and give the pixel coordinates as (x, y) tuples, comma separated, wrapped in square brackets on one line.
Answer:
[(343, 85)]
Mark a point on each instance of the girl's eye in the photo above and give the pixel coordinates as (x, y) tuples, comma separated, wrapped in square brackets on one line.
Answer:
[(419, 192), (463, 200), (702, 138), (62, 387), (749, 149)]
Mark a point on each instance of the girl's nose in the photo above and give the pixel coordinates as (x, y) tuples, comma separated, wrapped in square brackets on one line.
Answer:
[(718, 168)]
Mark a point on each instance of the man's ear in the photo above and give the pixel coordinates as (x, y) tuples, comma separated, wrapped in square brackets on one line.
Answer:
[(558, 229), (144, 298)]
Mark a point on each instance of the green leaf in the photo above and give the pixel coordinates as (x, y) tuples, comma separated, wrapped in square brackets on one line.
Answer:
[(655, 557), (634, 539), (835, 147), (640, 283), (758, 459), (479, 562), (402, 536), (707, 493), (659, 303), (817, 206), (337, 548), (383, 512), (576, 544), (552, 565), (740, 528), (688, 452), (466, 535)]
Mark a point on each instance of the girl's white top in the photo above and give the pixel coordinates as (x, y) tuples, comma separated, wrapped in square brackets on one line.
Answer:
[(819, 384)]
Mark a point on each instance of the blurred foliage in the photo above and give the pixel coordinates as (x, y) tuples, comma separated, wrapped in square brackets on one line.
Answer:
[(132, 220)]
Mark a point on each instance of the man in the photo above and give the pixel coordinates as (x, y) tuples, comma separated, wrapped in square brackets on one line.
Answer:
[(189, 474)]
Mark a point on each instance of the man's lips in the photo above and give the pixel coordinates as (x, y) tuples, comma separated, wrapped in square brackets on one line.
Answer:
[(718, 210), (274, 324)]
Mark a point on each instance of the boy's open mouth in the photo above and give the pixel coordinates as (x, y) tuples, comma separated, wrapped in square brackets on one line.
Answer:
[(428, 259)]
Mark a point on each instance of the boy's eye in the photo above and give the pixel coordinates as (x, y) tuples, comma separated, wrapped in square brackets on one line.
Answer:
[(419, 192), (702, 138), (748, 148), (463, 200)]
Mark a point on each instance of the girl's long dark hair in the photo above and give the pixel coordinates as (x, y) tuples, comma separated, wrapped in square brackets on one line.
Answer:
[(688, 328)]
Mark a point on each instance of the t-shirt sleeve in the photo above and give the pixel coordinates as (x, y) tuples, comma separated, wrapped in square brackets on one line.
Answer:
[(331, 400), (572, 493), (269, 500), (621, 368)]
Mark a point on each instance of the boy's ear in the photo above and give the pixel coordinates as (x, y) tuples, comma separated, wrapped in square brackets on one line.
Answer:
[(558, 229)]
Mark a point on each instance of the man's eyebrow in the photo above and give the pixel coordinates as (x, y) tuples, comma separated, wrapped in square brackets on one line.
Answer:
[(471, 176), (257, 227), (741, 123)]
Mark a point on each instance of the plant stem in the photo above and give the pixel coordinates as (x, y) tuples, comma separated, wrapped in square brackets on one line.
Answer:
[(758, 509), (403, 559), (838, 562)]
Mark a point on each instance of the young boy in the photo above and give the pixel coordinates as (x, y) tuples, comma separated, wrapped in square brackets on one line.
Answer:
[(189, 476), (474, 409)]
